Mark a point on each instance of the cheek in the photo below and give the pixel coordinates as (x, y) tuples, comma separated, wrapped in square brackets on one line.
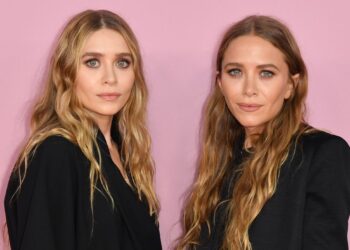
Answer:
[(81, 90), (276, 97), (230, 92), (81, 83), (128, 81), (84, 89), (130, 84), (276, 89), (227, 86)]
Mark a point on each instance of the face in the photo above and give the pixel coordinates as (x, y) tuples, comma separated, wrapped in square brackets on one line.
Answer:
[(105, 76), (254, 81)]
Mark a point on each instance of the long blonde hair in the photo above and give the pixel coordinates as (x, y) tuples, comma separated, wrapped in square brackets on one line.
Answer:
[(59, 112), (258, 174)]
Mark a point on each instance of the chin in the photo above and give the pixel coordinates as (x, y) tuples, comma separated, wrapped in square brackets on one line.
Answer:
[(110, 110), (106, 112), (250, 124), (111, 113)]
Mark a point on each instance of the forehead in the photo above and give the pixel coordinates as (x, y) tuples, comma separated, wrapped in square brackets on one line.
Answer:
[(105, 41), (252, 49)]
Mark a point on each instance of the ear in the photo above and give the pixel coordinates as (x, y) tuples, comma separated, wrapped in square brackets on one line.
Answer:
[(218, 80), (292, 84)]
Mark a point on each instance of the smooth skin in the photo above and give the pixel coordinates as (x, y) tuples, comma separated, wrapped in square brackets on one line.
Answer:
[(105, 78), (255, 82)]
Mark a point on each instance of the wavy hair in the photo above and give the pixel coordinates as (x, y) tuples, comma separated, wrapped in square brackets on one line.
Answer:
[(59, 112), (258, 174)]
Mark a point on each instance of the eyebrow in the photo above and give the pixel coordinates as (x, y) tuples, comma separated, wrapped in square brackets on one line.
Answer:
[(97, 54), (233, 64), (261, 66), (269, 65)]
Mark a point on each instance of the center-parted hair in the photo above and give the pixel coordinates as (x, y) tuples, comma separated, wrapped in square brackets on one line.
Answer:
[(59, 112), (257, 175)]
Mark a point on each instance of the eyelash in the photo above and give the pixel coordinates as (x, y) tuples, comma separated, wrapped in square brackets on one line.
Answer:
[(233, 72), (265, 74), (121, 60), (269, 73), (88, 63)]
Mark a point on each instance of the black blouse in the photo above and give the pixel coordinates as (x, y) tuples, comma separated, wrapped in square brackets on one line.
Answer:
[(311, 205), (52, 210)]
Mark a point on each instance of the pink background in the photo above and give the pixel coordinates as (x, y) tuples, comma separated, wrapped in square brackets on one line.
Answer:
[(178, 41)]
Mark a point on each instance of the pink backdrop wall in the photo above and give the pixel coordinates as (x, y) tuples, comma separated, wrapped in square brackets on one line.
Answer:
[(178, 41)]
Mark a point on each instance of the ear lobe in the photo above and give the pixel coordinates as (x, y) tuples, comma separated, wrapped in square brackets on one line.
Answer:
[(218, 79), (296, 79), (292, 84)]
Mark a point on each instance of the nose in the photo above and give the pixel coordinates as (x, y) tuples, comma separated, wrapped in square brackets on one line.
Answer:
[(250, 86), (110, 75)]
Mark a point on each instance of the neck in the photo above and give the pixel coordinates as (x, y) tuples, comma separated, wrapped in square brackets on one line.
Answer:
[(105, 126), (250, 133)]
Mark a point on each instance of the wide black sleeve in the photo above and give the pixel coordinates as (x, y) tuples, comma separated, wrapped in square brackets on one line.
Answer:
[(42, 215), (327, 205)]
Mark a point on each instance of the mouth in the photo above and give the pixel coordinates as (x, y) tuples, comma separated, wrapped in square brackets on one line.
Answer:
[(249, 107), (109, 96)]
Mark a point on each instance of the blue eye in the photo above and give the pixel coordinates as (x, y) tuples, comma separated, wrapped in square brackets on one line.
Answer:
[(92, 63), (235, 72), (266, 74), (123, 63)]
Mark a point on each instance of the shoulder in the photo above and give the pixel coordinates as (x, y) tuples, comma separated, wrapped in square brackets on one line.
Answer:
[(323, 142), (327, 155), (55, 154), (56, 147), (55, 144), (52, 164)]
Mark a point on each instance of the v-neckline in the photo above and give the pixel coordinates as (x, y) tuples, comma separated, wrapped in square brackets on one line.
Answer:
[(102, 143)]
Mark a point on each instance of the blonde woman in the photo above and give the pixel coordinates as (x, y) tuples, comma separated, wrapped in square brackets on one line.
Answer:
[(266, 179), (84, 179)]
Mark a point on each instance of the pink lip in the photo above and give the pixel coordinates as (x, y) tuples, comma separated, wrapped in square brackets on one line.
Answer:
[(249, 107), (109, 96)]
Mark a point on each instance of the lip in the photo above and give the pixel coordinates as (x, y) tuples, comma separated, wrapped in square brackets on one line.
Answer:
[(109, 96), (249, 107)]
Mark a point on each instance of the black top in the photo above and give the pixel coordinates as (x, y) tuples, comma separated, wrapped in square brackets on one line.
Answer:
[(52, 210), (311, 205)]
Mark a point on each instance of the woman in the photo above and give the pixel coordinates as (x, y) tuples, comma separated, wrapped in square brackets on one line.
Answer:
[(266, 179), (84, 179)]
